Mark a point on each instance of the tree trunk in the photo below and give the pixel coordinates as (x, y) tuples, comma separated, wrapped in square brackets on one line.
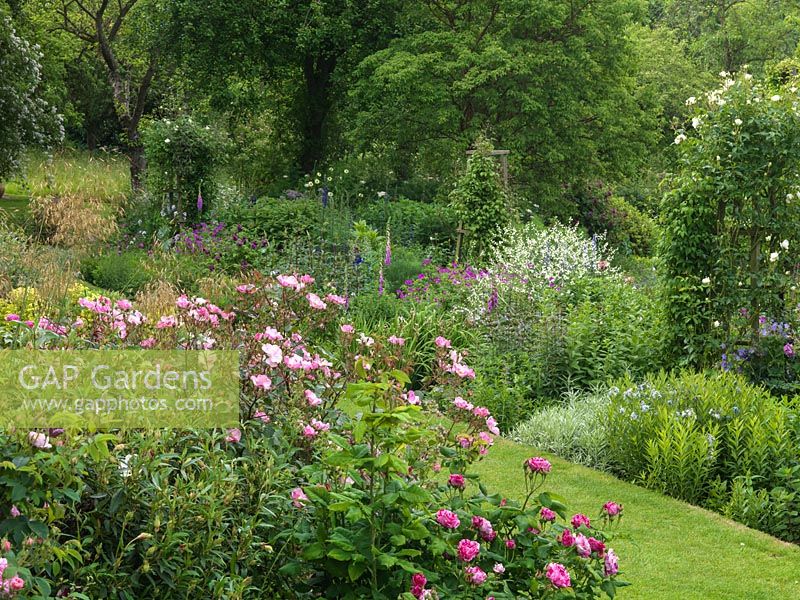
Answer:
[(137, 165), (317, 104)]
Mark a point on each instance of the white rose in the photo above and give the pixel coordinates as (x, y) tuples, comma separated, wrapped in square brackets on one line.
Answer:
[(706, 280), (785, 244), (737, 121), (773, 256), (775, 98)]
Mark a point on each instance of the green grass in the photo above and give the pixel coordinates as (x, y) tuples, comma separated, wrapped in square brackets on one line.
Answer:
[(668, 549)]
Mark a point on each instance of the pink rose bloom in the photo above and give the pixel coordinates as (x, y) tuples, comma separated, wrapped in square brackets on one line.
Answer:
[(15, 511), (334, 299), (558, 575), (511, 544), (16, 583), (166, 321), (309, 431), (582, 545), (539, 465), (29, 323), (39, 440), (397, 341), (273, 353), (5, 546), (491, 425), (293, 361), (411, 397), (261, 381), (463, 371), (124, 304), (547, 515), (183, 302), (273, 334), (457, 481), (442, 342), (148, 343), (468, 550), (612, 509), (788, 350), (312, 398), (436, 467), (484, 527), (579, 520), (481, 412), (298, 497), (246, 288), (261, 416), (315, 302), (465, 441), (307, 279), (447, 519), (289, 281), (475, 575), (320, 426), (234, 435), (499, 568), (12, 317), (567, 539), (597, 546), (611, 563), (346, 328), (459, 402), (418, 582)]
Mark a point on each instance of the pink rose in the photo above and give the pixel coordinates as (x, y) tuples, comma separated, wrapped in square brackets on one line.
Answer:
[(447, 519), (566, 538), (309, 431), (16, 583), (418, 582), (442, 342), (468, 549), (558, 575), (273, 354), (612, 509), (611, 563), (261, 416), (457, 481), (511, 544), (12, 317), (347, 328), (597, 546), (475, 575), (5, 546), (298, 497), (499, 568), (491, 425), (148, 343), (547, 515), (334, 299), (582, 545), (246, 288), (166, 321), (539, 465), (312, 398), (459, 402), (234, 435), (579, 520), (39, 440), (397, 341), (15, 511), (261, 381), (315, 302)]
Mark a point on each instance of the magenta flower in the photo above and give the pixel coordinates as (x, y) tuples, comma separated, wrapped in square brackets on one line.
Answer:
[(547, 515), (558, 575), (582, 545), (234, 435), (468, 550), (298, 497), (309, 431), (539, 465), (566, 538), (418, 582), (457, 481), (580, 519), (612, 509), (447, 519), (511, 544), (597, 546), (788, 350), (12, 317), (611, 563), (475, 575)]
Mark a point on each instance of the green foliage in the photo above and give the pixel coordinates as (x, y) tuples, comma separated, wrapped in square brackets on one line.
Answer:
[(574, 429), (480, 201), (431, 225), (183, 156), (25, 118), (731, 206), (120, 272), (708, 439)]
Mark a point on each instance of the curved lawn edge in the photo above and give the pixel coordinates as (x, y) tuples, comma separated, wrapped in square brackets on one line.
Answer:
[(668, 549)]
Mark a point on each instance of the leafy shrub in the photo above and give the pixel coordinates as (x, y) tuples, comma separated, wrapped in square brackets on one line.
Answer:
[(120, 272), (182, 157), (278, 221), (414, 223), (697, 436), (731, 217), (574, 429)]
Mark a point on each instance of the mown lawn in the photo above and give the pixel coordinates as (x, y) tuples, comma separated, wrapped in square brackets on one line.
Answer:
[(668, 549)]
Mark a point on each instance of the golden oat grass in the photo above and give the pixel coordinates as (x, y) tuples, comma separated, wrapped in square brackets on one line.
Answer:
[(156, 300), (74, 221)]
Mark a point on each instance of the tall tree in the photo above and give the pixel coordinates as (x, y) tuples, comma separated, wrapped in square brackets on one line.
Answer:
[(126, 34)]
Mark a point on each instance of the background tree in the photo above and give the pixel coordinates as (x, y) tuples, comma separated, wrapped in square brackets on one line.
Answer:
[(25, 118)]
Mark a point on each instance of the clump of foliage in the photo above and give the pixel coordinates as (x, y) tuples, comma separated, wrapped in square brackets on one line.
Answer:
[(26, 119), (480, 200), (731, 216), (183, 156)]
